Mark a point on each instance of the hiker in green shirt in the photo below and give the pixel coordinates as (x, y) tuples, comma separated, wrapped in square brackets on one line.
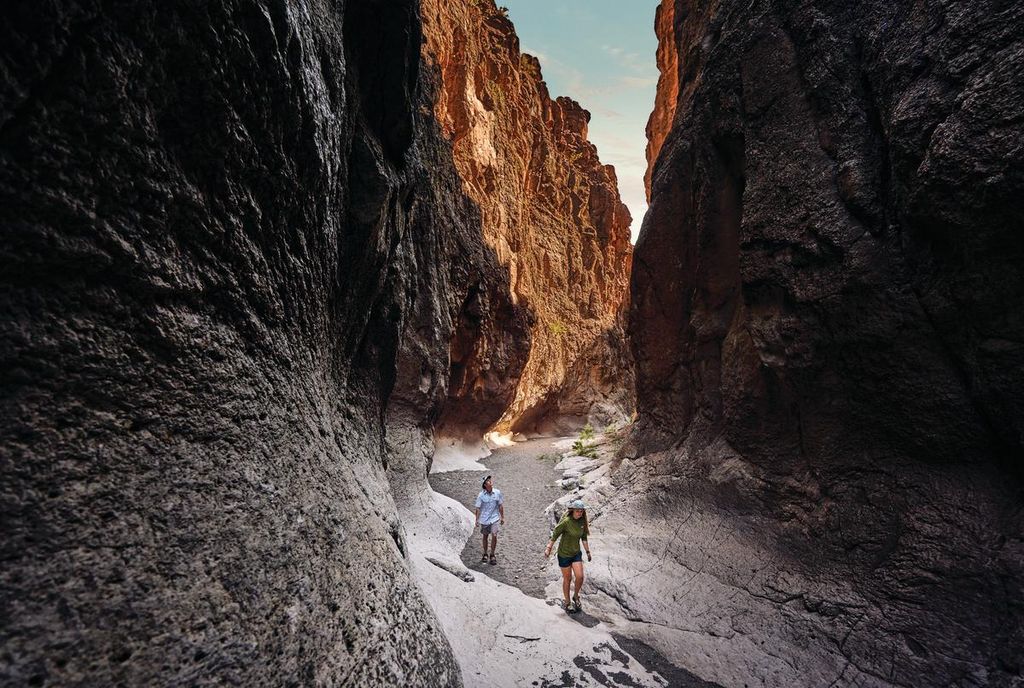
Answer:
[(572, 529)]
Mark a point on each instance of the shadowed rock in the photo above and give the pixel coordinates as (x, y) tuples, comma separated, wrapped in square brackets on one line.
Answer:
[(827, 324), (234, 245)]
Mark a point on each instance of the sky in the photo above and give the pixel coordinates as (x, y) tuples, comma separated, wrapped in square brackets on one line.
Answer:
[(600, 53)]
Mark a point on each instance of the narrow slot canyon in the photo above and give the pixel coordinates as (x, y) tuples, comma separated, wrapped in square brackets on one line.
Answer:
[(284, 280)]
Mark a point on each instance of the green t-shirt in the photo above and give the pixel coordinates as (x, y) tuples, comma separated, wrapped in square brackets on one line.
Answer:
[(571, 532)]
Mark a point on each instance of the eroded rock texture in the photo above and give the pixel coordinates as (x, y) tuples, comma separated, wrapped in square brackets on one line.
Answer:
[(827, 321), (667, 94), (551, 212), (234, 242)]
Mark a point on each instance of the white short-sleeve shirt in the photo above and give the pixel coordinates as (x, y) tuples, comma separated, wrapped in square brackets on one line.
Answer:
[(488, 505)]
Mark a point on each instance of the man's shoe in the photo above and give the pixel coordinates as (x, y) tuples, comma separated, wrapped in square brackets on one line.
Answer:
[(483, 559), (576, 602), (493, 560), (569, 609)]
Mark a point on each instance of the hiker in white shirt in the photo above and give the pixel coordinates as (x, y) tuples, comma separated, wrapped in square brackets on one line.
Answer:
[(490, 516)]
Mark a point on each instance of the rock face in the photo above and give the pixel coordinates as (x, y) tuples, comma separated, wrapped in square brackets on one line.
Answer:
[(827, 323), (667, 94), (551, 212), (235, 244)]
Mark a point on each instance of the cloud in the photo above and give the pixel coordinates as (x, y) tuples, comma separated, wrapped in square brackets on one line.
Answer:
[(632, 61), (539, 54), (638, 81), (579, 88), (575, 81)]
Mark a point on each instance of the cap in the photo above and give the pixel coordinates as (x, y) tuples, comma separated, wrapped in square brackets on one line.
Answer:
[(484, 480)]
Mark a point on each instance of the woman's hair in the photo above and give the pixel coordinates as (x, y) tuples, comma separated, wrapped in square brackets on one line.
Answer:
[(586, 522)]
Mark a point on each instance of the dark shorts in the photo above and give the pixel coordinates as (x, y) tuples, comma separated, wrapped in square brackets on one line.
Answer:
[(566, 562)]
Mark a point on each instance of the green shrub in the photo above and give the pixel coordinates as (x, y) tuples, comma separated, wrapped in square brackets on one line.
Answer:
[(580, 448), (557, 328), (587, 433)]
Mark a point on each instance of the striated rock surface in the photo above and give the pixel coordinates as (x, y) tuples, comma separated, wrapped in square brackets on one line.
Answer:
[(234, 244), (552, 214), (667, 93), (827, 324)]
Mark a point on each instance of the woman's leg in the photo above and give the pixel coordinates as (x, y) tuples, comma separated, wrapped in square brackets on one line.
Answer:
[(566, 572), (577, 569)]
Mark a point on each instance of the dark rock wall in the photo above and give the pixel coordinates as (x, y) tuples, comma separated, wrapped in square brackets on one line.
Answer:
[(234, 242), (828, 290)]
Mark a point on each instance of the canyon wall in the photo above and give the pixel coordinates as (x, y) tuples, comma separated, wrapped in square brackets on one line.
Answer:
[(667, 93), (552, 214), (827, 323), (234, 244)]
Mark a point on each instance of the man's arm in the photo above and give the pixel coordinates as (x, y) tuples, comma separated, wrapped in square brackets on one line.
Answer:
[(501, 512), (477, 513)]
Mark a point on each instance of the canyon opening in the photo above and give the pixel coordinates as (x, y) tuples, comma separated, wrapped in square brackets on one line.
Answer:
[(329, 358)]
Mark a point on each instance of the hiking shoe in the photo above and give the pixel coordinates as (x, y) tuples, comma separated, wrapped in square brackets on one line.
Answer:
[(483, 559), (576, 602), (493, 560), (569, 609)]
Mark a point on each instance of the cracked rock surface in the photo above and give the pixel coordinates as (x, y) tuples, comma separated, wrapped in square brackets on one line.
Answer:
[(827, 323)]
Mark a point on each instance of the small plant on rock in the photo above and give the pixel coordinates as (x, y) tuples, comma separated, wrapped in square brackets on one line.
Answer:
[(557, 328), (581, 448)]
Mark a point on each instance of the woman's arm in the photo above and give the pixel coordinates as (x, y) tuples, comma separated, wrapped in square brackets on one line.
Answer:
[(555, 534)]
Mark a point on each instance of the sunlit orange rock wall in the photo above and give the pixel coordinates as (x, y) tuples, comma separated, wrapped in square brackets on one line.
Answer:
[(551, 212), (665, 99)]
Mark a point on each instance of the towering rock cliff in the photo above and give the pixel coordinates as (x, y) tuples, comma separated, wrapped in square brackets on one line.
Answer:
[(551, 212), (826, 317), (234, 244), (667, 94)]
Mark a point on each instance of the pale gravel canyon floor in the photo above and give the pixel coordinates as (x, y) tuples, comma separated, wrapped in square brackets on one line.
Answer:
[(505, 625)]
